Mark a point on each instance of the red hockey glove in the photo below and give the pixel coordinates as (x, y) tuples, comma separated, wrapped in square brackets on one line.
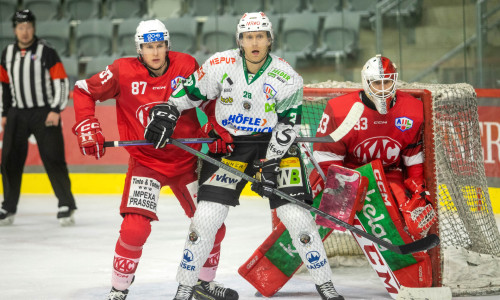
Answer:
[(418, 212), (268, 171), (317, 183), (90, 138), (224, 142)]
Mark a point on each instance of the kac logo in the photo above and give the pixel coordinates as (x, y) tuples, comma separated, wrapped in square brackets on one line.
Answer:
[(404, 123)]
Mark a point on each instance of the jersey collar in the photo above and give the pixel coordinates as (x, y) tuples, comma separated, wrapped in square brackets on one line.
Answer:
[(261, 70)]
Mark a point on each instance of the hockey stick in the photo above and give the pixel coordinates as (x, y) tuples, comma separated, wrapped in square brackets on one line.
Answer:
[(417, 246), (350, 120)]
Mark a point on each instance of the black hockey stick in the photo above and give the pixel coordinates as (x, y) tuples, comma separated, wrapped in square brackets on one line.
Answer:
[(426, 243), (350, 120), (323, 139)]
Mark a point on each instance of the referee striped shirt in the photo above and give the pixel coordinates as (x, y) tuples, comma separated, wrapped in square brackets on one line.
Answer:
[(33, 77)]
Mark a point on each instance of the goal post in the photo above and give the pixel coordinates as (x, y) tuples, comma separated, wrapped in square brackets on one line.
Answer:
[(468, 258)]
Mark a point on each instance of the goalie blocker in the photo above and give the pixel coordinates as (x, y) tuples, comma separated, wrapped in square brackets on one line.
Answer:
[(379, 215)]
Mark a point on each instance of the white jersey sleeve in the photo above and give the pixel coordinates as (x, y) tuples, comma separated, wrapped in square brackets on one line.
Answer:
[(201, 86), (288, 107)]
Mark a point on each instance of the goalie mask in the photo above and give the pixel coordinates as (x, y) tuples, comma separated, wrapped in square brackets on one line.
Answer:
[(255, 21), (379, 76), (151, 31)]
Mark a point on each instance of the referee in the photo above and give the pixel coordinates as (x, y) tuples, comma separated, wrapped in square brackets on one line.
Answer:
[(34, 89)]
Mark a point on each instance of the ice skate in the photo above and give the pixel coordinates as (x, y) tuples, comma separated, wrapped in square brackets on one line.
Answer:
[(6, 218), (115, 294), (184, 292), (204, 290), (65, 216), (328, 292)]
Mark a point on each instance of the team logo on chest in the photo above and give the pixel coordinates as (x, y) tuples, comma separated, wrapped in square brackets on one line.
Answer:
[(403, 123), (269, 91), (175, 82), (381, 147)]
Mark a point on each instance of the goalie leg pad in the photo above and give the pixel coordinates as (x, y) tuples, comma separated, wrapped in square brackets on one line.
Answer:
[(207, 220), (307, 241)]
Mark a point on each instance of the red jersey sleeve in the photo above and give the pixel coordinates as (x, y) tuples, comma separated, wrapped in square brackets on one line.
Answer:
[(102, 86), (328, 153)]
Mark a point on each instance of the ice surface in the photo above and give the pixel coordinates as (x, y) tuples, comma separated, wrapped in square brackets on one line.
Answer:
[(41, 260)]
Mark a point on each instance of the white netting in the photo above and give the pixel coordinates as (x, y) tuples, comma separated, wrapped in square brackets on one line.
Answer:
[(470, 241)]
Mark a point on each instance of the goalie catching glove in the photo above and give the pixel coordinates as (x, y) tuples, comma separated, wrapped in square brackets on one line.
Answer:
[(90, 138), (268, 172), (418, 212), (163, 118)]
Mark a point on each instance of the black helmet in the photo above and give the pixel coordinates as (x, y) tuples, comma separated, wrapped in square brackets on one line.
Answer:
[(22, 16)]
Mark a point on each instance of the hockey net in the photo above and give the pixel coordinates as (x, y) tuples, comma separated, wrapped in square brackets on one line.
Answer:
[(468, 258)]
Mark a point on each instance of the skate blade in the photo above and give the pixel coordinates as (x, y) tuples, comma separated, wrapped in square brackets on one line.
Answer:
[(65, 222)]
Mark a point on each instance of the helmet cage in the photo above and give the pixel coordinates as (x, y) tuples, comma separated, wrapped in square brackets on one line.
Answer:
[(151, 31), (379, 76)]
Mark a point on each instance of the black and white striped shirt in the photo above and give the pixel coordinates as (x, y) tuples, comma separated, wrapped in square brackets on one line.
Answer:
[(33, 77)]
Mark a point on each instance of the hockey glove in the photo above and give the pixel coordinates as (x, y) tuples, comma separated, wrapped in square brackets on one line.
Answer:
[(90, 138), (418, 212), (163, 118), (223, 143), (268, 172)]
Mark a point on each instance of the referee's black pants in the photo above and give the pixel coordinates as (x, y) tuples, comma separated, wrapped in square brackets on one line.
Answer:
[(21, 123)]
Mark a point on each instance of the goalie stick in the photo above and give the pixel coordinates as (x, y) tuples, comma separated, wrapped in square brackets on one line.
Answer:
[(350, 120), (417, 246)]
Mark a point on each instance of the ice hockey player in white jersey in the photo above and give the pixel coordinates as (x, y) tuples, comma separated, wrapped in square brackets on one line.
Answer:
[(257, 95)]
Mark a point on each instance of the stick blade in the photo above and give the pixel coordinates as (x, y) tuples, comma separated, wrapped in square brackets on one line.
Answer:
[(350, 120), (424, 244)]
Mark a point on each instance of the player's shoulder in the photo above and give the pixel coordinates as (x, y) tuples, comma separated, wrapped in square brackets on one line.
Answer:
[(341, 105), (408, 100), (180, 57), (223, 58), (345, 99), (125, 63), (281, 70), (408, 97)]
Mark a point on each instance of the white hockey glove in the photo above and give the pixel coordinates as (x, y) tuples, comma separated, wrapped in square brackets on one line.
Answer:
[(268, 170), (163, 118)]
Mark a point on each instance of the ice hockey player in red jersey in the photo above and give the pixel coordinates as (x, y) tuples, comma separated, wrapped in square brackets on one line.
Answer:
[(390, 129), (138, 84)]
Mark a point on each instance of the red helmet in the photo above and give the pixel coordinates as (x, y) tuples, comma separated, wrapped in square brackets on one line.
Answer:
[(379, 76)]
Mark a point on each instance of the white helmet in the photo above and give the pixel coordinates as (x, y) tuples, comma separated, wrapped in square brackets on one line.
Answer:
[(379, 68), (255, 21), (151, 31)]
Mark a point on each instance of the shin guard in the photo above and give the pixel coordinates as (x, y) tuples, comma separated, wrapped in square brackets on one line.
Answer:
[(307, 241), (207, 220), (135, 230)]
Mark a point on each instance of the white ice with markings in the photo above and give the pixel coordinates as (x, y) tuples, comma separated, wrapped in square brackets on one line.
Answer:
[(41, 260)]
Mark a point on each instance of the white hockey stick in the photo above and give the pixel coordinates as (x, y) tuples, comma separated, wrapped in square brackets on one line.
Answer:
[(350, 120)]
